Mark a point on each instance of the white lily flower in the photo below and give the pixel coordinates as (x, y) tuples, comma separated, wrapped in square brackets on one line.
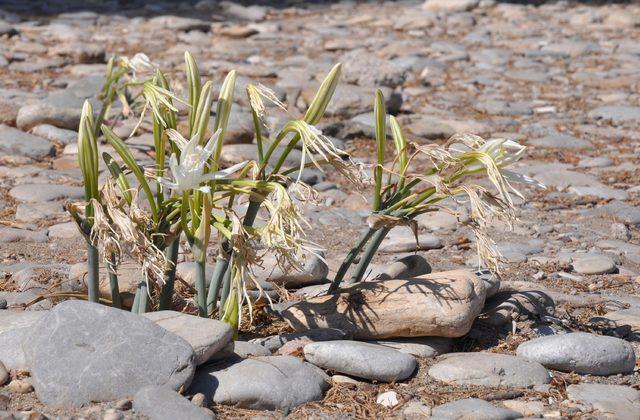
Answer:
[(522, 179), (189, 170)]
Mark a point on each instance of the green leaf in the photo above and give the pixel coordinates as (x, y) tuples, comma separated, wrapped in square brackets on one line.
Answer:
[(323, 96), (401, 148), (381, 127), (223, 110), (116, 172), (194, 83), (130, 162)]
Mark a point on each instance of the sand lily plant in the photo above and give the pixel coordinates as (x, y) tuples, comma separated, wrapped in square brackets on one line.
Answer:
[(144, 207)]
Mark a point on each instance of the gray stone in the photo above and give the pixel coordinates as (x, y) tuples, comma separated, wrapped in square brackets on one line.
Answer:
[(33, 193), (403, 240), (14, 142), (616, 113), (30, 212), (32, 115), (240, 350), (489, 369), (600, 191), (420, 346), (473, 409), (274, 342), (615, 401), (623, 317), (67, 230), (8, 234), (262, 383), (449, 6), (506, 306), (55, 134), (620, 211), (162, 403), (313, 269), (404, 268), (583, 353), (15, 326), (365, 69), (364, 360), (82, 352), (179, 23), (560, 141), (206, 336), (4, 374), (593, 264), (493, 107)]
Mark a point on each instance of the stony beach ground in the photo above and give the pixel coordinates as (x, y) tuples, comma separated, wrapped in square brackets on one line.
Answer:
[(556, 337)]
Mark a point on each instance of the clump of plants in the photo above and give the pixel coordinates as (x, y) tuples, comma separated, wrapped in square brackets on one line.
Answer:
[(141, 210)]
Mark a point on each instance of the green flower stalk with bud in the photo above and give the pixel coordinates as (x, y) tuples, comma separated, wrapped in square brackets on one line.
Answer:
[(454, 168)]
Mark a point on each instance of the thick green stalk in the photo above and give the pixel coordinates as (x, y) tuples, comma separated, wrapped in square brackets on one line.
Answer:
[(143, 305), (226, 288), (222, 263), (166, 294), (371, 250), (93, 276), (348, 260), (201, 288), (136, 301), (116, 302)]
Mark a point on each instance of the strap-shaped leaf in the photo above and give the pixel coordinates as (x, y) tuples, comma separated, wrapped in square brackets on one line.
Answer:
[(401, 149), (223, 110), (323, 96), (194, 83), (130, 162), (381, 127), (121, 179)]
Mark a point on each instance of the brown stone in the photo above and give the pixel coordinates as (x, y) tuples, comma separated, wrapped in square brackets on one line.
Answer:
[(441, 304)]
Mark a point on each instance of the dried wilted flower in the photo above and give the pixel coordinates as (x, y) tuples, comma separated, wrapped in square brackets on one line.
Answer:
[(129, 228)]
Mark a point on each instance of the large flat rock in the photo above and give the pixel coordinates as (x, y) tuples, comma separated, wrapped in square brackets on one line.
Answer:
[(441, 304), (82, 352), (162, 403)]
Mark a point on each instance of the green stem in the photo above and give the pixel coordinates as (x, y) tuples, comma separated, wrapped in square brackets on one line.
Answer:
[(136, 301), (93, 276), (143, 304), (371, 250), (201, 288), (222, 263), (166, 294), (226, 288), (116, 302), (348, 260)]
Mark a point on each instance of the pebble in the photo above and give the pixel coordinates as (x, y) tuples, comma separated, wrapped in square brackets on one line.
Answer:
[(593, 264), (388, 399), (363, 360), (583, 353), (274, 342), (18, 386), (489, 369), (262, 383), (120, 349), (473, 408), (162, 403), (32, 115), (401, 240)]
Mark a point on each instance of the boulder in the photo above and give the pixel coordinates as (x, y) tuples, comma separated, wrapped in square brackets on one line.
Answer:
[(441, 304), (82, 352)]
